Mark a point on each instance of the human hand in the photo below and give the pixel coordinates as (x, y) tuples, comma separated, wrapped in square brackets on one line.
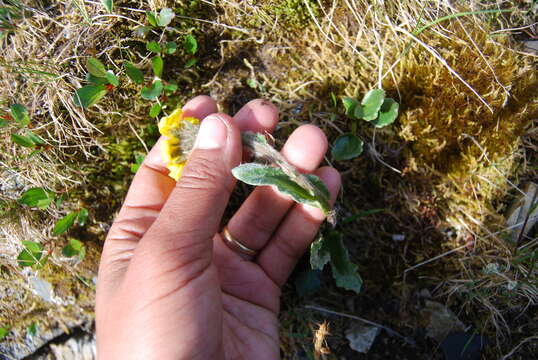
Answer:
[(169, 287)]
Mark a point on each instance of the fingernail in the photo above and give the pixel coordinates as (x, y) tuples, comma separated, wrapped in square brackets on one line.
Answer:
[(212, 134)]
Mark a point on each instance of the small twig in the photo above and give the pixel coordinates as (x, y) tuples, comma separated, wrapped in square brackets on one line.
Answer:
[(387, 329), (436, 258)]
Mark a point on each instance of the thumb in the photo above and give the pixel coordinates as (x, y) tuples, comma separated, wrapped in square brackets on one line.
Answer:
[(191, 215)]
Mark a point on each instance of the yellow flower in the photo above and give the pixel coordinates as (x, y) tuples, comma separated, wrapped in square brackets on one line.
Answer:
[(180, 133)]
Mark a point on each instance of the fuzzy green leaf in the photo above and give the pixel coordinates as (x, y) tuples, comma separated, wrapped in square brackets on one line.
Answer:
[(260, 175), (22, 140), (387, 114), (31, 254), (157, 65), (165, 17), (170, 47), (108, 4), (88, 95), (20, 114), (65, 223), (96, 67), (346, 147), (153, 46), (32, 329), (134, 73), (155, 110), (191, 45), (74, 248), (112, 79), (3, 332), (371, 103), (152, 92), (344, 271), (37, 197)]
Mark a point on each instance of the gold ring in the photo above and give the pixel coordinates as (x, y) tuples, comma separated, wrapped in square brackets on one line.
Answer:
[(236, 245)]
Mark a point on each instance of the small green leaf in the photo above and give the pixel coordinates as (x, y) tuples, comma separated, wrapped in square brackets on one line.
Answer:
[(349, 105), (134, 73), (31, 254), (22, 140), (152, 18), (82, 216), (346, 147), (191, 62), (112, 79), (108, 4), (170, 47), (88, 95), (252, 83), (36, 139), (20, 114), (259, 175), (155, 110), (152, 92), (165, 17), (308, 282), (96, 67), (157, 64), (65, 223), (3, 332), (94, 80), (191, 45), (153, 46), (371, 103), (74, 248), (3, 122), (387, 114), (139, 159), (32, 329), (319, 253), (37, 197), (344, 271), (170, 88)]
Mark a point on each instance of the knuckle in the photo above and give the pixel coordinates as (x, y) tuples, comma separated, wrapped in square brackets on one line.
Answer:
[(204, 173)]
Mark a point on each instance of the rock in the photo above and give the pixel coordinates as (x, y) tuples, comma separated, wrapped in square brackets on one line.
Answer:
[(361, 337), (440, 321)]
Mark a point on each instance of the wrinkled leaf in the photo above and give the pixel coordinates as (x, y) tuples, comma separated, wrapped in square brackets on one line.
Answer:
[(344, 271), (319, 253), (259, 175), (152, 92), (165, 17), (94, 80), (65, 223), (191, 45), (134, 73), (32, 329), (349, 105), (88, 95), (153, 46), (22, 140), (155, 110), (20, 114), (346, 147), (74, 248), (96, 67), (112, 79), (170, 47), (191, 62), (37, 197), (157, 65), (108, 4), (152, 18), (31, 254), (371, 103), (308, 282), (387, 114)]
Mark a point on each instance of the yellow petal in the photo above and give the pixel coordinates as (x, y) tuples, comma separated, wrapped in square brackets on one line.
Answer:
[(175, 170)]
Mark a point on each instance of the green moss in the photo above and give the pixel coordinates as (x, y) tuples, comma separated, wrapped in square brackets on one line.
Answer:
[(295, 13)]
